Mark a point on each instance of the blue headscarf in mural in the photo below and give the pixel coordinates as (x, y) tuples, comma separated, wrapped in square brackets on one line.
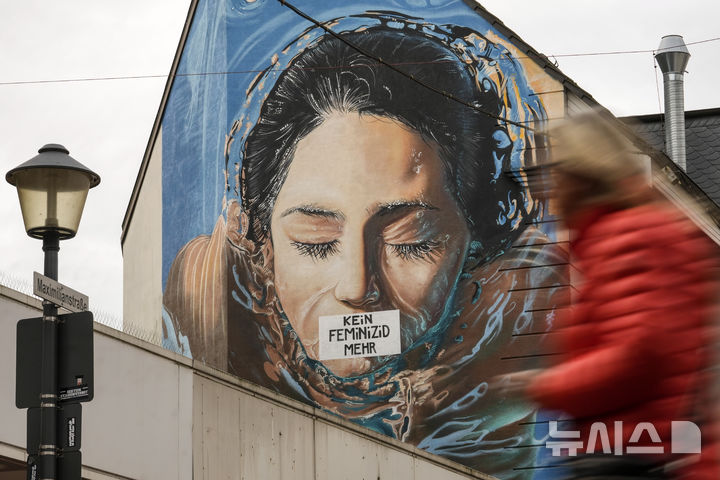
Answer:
[(232, 42)]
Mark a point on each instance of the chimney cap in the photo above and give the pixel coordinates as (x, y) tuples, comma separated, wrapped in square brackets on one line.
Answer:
[(672, 55)]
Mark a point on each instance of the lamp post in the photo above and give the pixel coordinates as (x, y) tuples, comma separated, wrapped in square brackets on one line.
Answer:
[(52, 188)]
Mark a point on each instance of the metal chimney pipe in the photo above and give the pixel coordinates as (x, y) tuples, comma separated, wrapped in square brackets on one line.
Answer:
[(673, 56)]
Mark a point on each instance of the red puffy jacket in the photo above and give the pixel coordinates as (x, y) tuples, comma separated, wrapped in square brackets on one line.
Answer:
[(635, 344)]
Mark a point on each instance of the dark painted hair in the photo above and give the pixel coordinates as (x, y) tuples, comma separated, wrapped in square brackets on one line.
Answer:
[(332, 76)]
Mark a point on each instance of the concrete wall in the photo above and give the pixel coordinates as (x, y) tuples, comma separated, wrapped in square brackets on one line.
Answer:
[(244, 431), (142, 257), (139, 424), (157, 415)]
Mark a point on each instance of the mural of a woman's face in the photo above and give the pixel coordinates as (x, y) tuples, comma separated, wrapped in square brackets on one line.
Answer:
[(361, 224)]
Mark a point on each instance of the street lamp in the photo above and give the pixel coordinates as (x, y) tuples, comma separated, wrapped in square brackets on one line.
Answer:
[(52, 188)]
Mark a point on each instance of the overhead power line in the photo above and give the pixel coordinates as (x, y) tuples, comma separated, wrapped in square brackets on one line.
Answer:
[(234, 72), (623, 52), (86, 79)]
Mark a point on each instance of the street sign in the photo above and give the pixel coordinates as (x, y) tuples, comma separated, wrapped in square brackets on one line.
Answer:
[(28, 359), (75, 375), (59, 294), (33, 430), (69, 466), (75, 372), (69, 427)]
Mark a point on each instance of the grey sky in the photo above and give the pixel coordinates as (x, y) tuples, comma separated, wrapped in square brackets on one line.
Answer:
[(106, 124), (624, 83)]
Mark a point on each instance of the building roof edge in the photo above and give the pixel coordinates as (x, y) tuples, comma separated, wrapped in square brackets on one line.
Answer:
[(157, 124)]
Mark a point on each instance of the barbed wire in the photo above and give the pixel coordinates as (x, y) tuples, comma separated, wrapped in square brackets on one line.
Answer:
[(143, 333), (24, 287)]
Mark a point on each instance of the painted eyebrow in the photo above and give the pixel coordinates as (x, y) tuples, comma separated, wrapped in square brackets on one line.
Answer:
[(399, 206), (314, 211)]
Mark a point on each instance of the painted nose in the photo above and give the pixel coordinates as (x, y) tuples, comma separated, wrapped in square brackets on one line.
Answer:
[(357, 286)]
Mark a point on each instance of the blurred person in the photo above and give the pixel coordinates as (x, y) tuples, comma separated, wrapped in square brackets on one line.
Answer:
[(634, 343)]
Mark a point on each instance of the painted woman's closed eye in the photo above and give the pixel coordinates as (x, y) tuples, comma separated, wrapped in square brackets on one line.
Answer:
[(423, 250), (317, 251)]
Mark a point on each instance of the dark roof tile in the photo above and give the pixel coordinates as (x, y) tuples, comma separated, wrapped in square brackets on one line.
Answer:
[(702, 141)]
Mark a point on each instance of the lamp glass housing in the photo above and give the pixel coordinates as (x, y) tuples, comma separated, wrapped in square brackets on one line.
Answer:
[(52, 199)]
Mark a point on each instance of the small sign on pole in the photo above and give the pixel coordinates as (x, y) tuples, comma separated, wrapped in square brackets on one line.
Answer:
[(75, 374), (69, 427), (32, 468), (69, 465), (59, 294), (28, 355)]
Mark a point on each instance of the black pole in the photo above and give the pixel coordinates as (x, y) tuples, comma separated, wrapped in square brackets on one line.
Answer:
[(48, 450)]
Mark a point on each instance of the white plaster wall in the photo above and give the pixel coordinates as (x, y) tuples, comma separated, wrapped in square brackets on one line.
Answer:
[(139, 425), (142, 256)]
